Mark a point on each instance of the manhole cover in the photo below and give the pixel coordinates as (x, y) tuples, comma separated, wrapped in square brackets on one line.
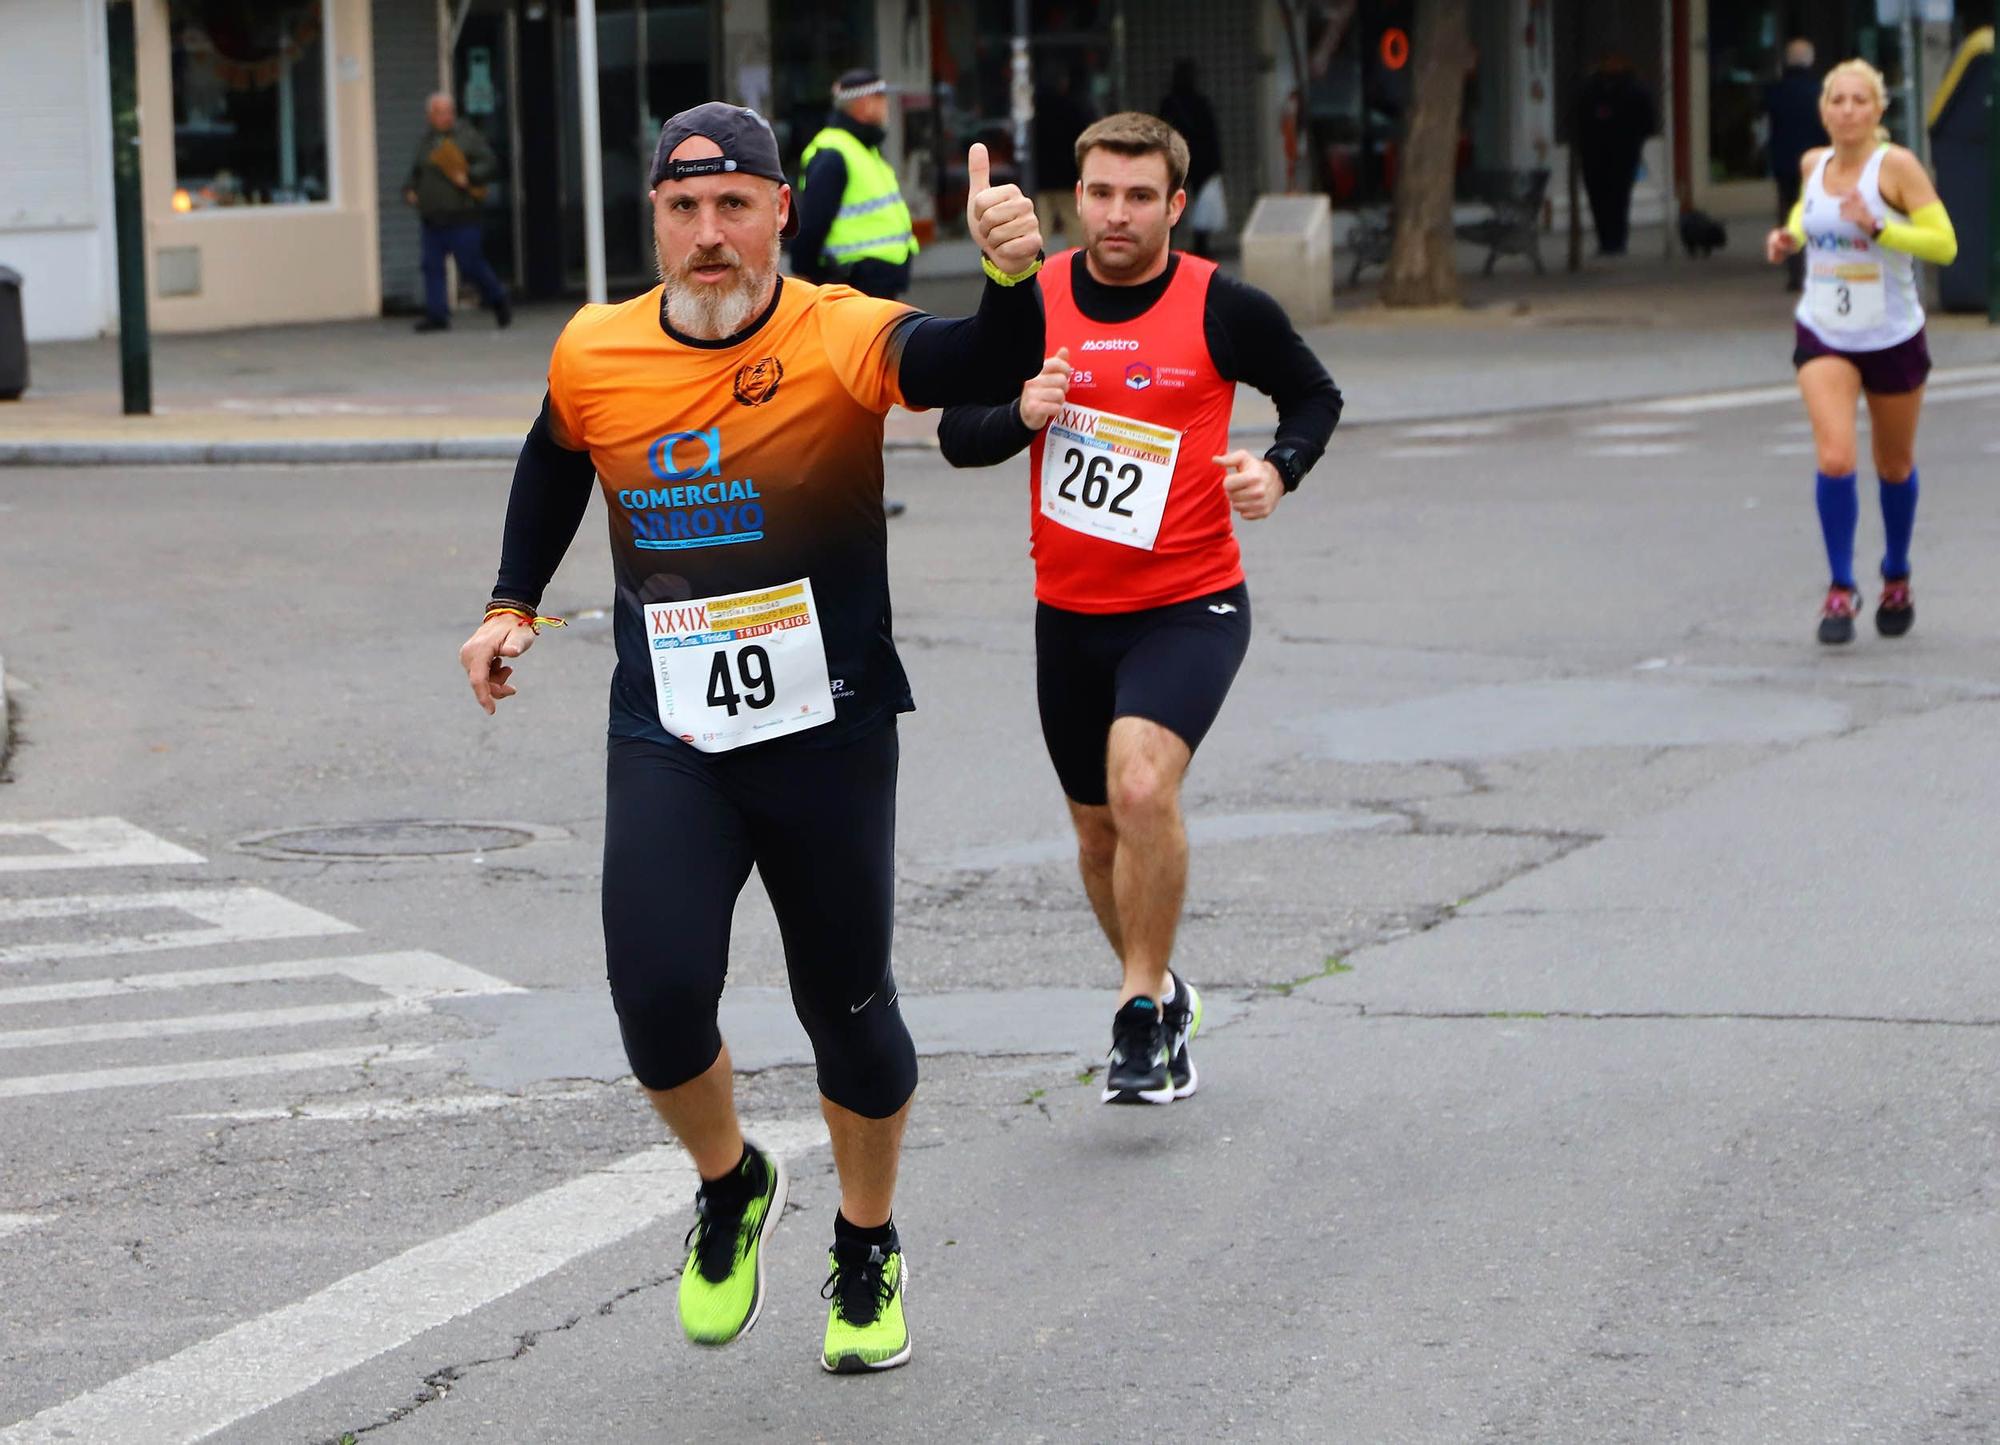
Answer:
[(404, 838)]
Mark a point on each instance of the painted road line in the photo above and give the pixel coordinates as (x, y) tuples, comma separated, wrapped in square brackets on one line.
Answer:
[(233, 915), (452, 1106), (1764, 395), (90, 843), (212, 1385), (21, 1223), (187, 1025), (150, 1075), (1451, 430), (1426, 453), (407, 975), (1947, 391), (1614, 430), (1636, 449)]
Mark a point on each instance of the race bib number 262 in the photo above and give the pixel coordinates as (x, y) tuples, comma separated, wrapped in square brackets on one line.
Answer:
[(1108, 475)]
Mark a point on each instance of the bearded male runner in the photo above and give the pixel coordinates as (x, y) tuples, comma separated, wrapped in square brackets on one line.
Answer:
[(734, 419), (1142, 618)]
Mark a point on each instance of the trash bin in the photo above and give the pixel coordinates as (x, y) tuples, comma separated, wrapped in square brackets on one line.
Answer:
[(1961, 139), (13, 337)]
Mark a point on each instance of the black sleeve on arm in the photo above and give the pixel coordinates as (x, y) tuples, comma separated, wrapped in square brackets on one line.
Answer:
[(1252, 340), (552, 486), (818, 200), (983, 357), (982, 436)]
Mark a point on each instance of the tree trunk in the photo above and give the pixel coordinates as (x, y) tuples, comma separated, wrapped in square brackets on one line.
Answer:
[(1422, 270)]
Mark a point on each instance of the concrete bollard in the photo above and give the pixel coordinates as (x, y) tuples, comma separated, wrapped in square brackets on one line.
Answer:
[(1288, 252)]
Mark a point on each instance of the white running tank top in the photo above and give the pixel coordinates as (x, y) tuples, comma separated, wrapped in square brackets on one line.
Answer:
[(1859, 296)]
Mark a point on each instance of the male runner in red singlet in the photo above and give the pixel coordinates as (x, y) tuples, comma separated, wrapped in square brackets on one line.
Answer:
[(1143, 618)]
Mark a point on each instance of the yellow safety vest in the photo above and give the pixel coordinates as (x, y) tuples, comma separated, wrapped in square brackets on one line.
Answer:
[(872, 222)]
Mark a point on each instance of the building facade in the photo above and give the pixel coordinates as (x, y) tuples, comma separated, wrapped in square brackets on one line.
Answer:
[(278, 134)]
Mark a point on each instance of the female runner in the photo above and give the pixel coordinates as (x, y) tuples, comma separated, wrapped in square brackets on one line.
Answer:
[(1867, 211)]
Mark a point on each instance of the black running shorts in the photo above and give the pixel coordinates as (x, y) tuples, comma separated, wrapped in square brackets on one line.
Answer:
[(682, 830), (1171, 665)]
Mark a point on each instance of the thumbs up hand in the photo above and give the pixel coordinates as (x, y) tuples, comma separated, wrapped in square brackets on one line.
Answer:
[(1001, 219)]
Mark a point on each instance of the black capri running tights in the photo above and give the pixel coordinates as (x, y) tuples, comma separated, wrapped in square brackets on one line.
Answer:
[(681, 831)]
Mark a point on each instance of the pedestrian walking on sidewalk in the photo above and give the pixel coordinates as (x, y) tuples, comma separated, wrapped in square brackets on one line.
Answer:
[(732, 418), (1614, 115), (1189, 112), (1142, 615), (1791, 104), (1868, 212), (447, 185)]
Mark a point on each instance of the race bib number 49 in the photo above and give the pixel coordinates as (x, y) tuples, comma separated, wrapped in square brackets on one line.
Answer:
[(1108, 475), (741, 668), (1848, 295)]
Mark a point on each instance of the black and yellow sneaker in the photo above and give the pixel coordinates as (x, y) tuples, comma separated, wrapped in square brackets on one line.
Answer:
[(1136, 1069), (722, 1284), (865, 1326), (1183, 1022)]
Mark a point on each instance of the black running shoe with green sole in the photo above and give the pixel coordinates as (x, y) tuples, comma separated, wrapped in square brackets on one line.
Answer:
[(722, 1283), (866, 1329), (1136, 1071), (1183, 1022)]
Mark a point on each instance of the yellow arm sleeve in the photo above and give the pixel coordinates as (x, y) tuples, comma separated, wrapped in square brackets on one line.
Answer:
[(1927, 235), (1796, 221)]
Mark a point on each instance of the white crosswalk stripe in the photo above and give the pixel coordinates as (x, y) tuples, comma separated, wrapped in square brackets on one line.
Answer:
[(232, 915), (86, 843), (54, 932)]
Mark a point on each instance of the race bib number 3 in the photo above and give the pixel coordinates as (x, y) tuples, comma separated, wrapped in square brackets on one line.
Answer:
[(1108, 475), (741, 668), (1848, 295)]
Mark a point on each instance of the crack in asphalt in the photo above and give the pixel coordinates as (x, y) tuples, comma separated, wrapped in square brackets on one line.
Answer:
[(439, 1383)]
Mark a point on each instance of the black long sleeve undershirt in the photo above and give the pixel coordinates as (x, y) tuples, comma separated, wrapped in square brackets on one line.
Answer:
[(1248, 334), (981, 358), (552, 487)]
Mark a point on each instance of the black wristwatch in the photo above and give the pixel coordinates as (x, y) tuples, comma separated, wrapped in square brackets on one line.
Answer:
[(1291, 471)]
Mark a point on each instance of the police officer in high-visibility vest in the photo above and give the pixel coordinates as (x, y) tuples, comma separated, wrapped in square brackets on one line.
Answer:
[(853, 225)]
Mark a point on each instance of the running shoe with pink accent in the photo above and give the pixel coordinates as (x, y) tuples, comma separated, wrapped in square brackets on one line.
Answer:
[(1836, 615), (1895, 611)]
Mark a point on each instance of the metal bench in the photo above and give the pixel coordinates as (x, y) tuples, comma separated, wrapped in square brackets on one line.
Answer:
[(1513, 226)]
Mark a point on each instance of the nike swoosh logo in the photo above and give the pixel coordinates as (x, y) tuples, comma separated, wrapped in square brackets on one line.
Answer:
[(1222, 609), (864, 1003)]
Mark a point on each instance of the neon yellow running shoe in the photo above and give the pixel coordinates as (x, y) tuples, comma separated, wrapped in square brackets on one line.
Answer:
[(722, 1283), (865, 1328)]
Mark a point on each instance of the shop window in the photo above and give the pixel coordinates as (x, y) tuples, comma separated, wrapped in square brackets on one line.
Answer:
[(250, 103)]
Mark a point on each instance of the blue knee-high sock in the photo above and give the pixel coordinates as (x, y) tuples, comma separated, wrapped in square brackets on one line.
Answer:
[(1899, 519), (1839, 510)]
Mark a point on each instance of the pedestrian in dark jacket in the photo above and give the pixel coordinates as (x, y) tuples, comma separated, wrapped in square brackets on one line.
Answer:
[(1614, 115), (1792, 104), (447, 185), (1188, 111)]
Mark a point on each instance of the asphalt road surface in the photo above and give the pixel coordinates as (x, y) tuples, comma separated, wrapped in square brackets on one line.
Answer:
[(1604, 979)]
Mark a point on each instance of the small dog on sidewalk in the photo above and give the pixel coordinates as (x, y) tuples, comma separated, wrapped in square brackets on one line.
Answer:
[(1701, 232)]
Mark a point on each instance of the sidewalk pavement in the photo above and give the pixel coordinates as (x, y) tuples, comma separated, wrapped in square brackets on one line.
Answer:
[(372, 390)]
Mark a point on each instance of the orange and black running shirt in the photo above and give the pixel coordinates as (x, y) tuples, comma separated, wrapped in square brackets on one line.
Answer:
[(739, 469)]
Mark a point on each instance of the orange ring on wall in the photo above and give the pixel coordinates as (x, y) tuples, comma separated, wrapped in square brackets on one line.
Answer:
[(1395, 47)]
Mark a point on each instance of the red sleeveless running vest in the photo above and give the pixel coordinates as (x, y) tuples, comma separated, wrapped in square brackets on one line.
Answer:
[(1126, 497)]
